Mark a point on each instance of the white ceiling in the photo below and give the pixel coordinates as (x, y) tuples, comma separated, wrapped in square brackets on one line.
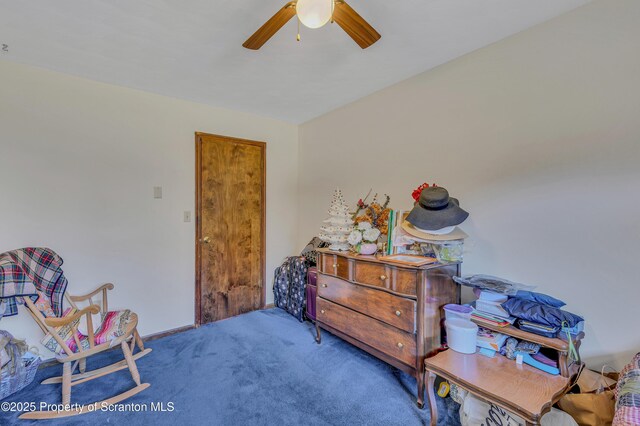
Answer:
[(192, 49)]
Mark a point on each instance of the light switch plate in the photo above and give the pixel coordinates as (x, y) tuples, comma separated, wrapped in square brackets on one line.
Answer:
[(187, 216), (157, 192)]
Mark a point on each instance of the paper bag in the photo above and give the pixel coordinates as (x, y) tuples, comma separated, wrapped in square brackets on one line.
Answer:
[(595, 404)]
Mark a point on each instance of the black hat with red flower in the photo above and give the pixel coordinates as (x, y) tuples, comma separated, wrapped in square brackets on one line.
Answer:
[(436, 210)]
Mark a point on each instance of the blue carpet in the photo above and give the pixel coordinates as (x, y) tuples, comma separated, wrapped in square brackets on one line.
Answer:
[(261, 368)]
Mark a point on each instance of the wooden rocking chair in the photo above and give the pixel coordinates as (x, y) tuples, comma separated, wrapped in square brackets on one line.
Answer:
[(77, 348)]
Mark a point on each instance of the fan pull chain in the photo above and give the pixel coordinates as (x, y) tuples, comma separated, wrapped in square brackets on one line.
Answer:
[(298, 37), (333, 7)]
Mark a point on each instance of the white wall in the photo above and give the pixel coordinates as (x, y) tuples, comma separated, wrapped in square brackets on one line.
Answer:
[(539, 137), (78, 163)]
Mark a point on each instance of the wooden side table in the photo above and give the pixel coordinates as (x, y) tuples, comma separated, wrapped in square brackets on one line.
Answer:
[(520, 389)]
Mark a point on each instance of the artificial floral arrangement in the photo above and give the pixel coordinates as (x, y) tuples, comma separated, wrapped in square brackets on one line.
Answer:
[(363, 238), (416, 192), (370, 221), (375, 213)]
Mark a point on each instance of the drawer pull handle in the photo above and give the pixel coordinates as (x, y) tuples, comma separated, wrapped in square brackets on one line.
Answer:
[(400, 345), (335, 265), (324, 285), (398, 313), (383, 277), (322, 311)]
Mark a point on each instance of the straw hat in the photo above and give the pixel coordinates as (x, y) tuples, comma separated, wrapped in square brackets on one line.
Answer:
[(456, 234)]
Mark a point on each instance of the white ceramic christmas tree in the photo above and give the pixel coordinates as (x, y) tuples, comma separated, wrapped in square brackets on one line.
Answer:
[(339, 224)]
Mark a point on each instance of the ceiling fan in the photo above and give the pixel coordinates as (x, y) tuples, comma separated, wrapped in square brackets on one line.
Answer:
[(314, 14)]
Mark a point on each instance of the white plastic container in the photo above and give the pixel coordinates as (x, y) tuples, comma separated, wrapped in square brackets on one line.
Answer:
[(461, 335), (454, 311)]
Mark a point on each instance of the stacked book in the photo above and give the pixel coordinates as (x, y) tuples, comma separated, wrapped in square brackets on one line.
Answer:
[(488, 310)]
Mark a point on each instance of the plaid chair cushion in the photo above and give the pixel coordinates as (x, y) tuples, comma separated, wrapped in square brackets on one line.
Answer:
[(113, 325)]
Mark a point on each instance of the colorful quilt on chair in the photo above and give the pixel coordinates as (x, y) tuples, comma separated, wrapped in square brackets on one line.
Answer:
[(114, 325), (66, 333)]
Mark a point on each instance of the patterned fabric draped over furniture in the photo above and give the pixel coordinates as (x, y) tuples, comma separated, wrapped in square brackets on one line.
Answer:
[(628, 395), (28, 272)]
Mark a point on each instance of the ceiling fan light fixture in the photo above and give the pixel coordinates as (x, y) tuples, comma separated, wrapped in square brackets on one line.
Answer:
[(314, 13)]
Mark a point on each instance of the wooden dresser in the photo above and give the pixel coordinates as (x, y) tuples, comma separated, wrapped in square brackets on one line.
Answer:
[(392, 311)]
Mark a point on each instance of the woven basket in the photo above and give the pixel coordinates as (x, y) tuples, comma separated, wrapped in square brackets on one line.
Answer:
[(23, 376)]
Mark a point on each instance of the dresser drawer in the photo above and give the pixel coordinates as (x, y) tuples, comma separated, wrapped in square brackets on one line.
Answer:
[(403, 281), (394, 310), (371, 274), (400, 280), (335, 265), (381, 336)]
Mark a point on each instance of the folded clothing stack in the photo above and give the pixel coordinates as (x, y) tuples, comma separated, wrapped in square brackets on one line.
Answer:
[(502, 302), (490, 339)]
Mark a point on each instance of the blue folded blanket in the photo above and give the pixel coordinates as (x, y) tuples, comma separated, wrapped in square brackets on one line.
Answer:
[(542, 314), (544, 299)]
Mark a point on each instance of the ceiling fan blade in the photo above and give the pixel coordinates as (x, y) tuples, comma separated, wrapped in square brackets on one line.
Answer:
[(271, 27), (354, 25)]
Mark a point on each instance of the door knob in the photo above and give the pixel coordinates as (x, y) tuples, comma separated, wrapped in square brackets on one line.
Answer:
[(206, 240)]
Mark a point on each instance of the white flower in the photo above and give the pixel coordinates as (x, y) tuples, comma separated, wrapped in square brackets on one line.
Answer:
[(354, 238), (371, 234), (364, 226)]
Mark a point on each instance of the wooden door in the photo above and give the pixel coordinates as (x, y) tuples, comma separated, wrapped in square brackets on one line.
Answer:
[(230, 226)]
